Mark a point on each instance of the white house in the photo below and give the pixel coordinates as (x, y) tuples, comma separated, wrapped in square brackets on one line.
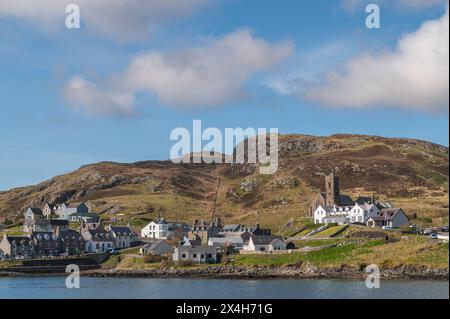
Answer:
[(264, 243), (124, 236), (31, 216), (321, 212), (97, 239), (164, 230), (331, 214), (156, 248), (64, 210), (156, 230), (196, 254), (360, 213), (232, 241), (391, 217)]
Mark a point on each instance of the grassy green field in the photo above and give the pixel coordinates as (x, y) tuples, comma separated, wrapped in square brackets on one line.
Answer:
[(412, 251), (328, 232)]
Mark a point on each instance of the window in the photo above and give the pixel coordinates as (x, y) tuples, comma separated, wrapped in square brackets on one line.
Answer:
[(202, 256), (194, 255), (183, 256)]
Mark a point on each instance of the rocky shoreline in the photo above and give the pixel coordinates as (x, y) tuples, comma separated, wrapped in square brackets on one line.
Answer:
[(304, 271)]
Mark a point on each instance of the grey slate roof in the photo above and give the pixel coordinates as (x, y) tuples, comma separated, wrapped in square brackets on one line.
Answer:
[(177, 225), (36, 210), (264, 240), (231, 228), (154, 245), (70, 235), (83, 214), (122, 230), (59, 222), (345, 200), (199, 249), (100, 234), (18, 239), (162, 221), (44, 236), (363, 200)]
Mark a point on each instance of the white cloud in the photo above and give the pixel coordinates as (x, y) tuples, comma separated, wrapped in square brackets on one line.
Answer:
[(87, 97), (118, 19), (208, 76), (352, 5), (415, 75)]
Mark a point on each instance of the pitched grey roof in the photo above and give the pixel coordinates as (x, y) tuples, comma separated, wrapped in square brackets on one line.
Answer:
[(345, 200), (36, 210), (122, 230), (177, 225), (70, 234), (363, 200), (59, 222), (44, 236), (384, 205), (264, 240), (152, 246), (51, 206), (18, 239), (83, 214), (100, 234), (162, 221), (74, 205), (198, 249), (231, 228), (227, 240), (391, 213)]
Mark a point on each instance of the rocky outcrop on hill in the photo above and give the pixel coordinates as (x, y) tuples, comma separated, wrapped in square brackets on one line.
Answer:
[(367, 164)]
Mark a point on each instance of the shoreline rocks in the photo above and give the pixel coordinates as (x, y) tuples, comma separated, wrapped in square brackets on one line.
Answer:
[(295, 271), (304, 271)]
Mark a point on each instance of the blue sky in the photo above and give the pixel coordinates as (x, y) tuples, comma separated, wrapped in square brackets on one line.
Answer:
[(276, 74)]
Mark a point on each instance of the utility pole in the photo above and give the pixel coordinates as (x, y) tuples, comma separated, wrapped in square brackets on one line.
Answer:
[(213, 212)]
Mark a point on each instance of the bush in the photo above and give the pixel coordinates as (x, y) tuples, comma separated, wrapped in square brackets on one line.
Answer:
[(387, 263), (166, 263), (151, 259), (186, 263)]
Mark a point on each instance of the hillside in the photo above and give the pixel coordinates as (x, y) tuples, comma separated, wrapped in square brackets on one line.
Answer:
[(413, 174)]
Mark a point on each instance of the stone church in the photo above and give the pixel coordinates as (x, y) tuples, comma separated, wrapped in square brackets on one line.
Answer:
[(332, 195)]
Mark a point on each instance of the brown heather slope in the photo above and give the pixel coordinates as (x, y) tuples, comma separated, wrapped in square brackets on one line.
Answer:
[(412, 174)]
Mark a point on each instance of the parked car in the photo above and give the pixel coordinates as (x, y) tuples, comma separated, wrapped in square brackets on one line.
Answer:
[(386, 228), (433, 236)]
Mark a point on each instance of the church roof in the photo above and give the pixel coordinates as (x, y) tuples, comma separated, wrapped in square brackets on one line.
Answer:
[(345, 200)]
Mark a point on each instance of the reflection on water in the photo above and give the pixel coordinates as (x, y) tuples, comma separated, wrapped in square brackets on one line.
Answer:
[(138, 288)]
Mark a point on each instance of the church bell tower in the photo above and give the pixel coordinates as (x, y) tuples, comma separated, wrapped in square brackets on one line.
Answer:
[(332, 190)]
